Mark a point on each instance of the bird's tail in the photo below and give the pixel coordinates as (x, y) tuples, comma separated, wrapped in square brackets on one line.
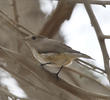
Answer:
[(85, 56), (82, 55)]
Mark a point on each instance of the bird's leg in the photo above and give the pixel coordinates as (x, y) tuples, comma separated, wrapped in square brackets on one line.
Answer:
[(59, 71)]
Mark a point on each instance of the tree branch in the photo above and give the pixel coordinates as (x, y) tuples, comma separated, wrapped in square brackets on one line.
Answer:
[(93, 66), (106, 36), (103, 3), (62, 12), (12, 23), (16, 17), (99, 36), (48, 76)]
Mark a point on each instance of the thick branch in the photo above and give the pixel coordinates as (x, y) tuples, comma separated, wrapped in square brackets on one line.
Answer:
[(99, 36), (62, 12), (48, 76)]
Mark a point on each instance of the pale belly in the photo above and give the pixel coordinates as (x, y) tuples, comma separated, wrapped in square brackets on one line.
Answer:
[(58, 59)]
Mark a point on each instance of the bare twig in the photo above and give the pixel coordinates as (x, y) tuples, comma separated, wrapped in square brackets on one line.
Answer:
[(93, 2), (12, 23), (91, 65), (16, 17), (99, 36), (103, 3), (22, 27), (106, 36)]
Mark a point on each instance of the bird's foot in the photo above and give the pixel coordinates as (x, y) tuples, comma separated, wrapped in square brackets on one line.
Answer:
[(57, 77), (58, 72)]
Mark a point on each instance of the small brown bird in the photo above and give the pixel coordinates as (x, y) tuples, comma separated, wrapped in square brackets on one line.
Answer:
[(50, 51)]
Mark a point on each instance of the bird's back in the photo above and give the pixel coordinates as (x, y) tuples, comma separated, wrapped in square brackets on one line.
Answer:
[(53, 46)]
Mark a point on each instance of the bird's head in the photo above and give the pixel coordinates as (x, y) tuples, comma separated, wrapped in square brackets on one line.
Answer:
[(33, 39)]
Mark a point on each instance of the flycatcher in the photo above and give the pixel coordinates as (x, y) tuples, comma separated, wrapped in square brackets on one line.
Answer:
[(50, 51)]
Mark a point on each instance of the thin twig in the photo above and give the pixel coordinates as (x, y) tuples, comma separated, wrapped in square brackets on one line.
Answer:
[(99, 36), (103, 3), (98, 2), (16, 17), (12, 22), (91, 65)]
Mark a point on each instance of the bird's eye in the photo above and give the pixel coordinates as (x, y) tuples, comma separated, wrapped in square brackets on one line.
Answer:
[(33, 37)]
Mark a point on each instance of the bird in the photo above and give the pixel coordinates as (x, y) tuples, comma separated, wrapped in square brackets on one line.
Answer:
[(51, 51)]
